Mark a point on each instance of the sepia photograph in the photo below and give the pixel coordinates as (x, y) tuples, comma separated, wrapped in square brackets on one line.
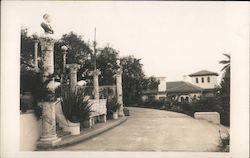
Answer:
[(167, 78)]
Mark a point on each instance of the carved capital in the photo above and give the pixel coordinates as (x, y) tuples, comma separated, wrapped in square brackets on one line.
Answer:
[(47, 43), (118, 72), (96, 72), (73, 67)]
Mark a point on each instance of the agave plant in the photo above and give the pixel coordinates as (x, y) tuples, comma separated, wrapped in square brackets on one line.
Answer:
[(76, 106)]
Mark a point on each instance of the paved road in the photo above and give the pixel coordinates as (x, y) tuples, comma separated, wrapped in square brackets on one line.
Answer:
[(155, 130)]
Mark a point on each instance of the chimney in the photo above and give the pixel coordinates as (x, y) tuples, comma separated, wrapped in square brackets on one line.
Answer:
[(162, 86)]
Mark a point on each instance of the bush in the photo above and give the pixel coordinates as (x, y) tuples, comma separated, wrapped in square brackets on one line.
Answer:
[(158, 104), (76, 107), (112, 106)]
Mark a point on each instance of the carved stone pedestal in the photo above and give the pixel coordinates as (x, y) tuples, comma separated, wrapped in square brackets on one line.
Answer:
[(118, 77), (49, 136)]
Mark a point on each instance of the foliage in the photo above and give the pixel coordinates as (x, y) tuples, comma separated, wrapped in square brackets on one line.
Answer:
[(225, 142), (76, 106), (133, 76), (152, 103), (224, 92), (112, 105), (78, 51), (106, 63), (27, 49), (150, 83)]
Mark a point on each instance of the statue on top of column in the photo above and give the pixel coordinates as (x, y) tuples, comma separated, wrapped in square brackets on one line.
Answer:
[(118, 62), (46, 24)]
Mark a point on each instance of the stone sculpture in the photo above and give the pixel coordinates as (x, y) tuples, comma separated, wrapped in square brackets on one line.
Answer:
[(46, 24)]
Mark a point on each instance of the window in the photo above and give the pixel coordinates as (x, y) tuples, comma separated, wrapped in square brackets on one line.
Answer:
[(182, 99), (197, 80), (202, 80), (208, 79)]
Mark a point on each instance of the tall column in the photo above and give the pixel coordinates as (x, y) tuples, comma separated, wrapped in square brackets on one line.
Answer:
[(118, 77), (72, 76), (48, 136), (96, 73)]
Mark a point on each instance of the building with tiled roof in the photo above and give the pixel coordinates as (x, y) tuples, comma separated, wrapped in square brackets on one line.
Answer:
[(182, 86), (204, 79), (181, 90), (203, 73), (202, 83)]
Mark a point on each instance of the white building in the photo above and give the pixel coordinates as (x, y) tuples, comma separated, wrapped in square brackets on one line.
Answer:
[(201, 83), (204, 79), (158, 93)]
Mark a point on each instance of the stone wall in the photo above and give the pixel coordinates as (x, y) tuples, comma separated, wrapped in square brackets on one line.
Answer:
[(30, 131), (213, 117)]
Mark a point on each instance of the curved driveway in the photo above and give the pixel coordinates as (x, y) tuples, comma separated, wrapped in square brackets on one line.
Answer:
[(156, 130)]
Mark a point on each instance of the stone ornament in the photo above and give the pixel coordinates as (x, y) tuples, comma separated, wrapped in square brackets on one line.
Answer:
[(73, 67), (46, 24), (64, 49), (96, 72)]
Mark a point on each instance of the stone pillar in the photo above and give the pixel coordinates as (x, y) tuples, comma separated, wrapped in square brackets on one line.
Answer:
[(118, 77), (36, 41), (96, 73), (48, 136), (35, 55), (72, 76)]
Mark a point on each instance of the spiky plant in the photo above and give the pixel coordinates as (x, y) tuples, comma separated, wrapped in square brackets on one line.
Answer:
[(76, 106)]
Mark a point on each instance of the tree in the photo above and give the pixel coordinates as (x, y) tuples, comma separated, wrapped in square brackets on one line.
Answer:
[(150, 83), (78, 52), (224, 91), (27, 49), (133, 77), (106, 63), (226, 67)]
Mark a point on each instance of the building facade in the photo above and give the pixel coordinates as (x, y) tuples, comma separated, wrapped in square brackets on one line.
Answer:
[(201, 84)]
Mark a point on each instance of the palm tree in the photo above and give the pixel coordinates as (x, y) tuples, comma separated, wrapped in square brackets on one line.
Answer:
[(224, 92), (226, 64)]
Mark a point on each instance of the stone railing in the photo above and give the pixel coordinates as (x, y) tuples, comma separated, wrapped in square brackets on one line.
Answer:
[(98, 107)]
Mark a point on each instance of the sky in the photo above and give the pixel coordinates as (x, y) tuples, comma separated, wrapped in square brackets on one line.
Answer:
[(171, 38)]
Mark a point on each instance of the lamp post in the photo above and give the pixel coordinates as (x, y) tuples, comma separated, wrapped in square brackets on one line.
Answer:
[(64, 53)]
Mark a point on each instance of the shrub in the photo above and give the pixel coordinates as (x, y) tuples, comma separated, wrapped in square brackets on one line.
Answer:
[(112, 106), (76, 106)]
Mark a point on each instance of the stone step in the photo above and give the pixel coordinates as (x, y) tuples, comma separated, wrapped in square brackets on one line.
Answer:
[(62, 134)]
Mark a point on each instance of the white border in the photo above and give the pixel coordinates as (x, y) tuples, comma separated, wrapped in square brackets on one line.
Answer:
[(10, 46)]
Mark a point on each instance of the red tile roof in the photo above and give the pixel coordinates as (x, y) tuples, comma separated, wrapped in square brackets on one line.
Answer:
[(181, 86), (203, 72)]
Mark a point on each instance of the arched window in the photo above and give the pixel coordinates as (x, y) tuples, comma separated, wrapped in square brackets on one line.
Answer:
[(208, 79), (186, 99), (182, 99), (197, 80), (202, 80)]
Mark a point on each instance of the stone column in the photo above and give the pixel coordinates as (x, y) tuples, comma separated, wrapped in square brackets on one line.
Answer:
[(36, 41), (96, 73), (48, 136), (118, 77), (35, 55), (72, 76)]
